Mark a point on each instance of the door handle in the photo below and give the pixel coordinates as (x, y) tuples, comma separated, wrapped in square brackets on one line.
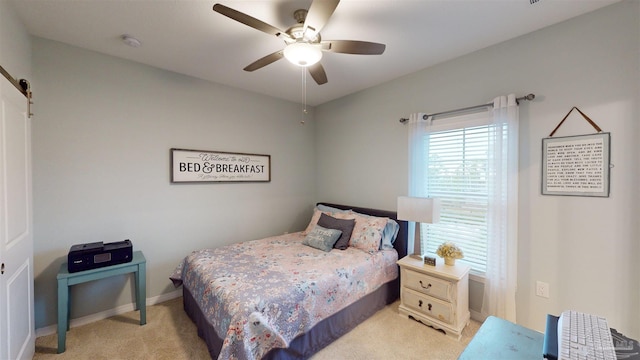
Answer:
[(2, 269)]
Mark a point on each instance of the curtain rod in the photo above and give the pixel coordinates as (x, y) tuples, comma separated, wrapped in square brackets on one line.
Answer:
[(528, 97)]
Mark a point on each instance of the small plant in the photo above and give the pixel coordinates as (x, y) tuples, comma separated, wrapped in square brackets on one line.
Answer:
[(449, 250)]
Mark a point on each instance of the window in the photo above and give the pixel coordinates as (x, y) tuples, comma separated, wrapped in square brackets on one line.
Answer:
[(455, 152)]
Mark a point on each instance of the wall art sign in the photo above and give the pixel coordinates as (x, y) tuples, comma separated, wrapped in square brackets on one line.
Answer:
[(218, 166), (576, 165)]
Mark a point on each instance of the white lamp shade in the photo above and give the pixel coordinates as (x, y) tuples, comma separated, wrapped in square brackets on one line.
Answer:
[(419, 209), (302, 54)]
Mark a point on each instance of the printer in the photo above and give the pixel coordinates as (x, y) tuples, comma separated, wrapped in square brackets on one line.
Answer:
[(98, 254)]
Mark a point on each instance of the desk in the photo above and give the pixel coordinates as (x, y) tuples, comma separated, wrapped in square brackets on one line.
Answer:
[(501, 339), (66, 279)]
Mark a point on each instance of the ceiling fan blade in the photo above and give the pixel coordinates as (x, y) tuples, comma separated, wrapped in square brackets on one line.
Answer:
[(319, 13), (317, 73), (353, 47), (249, 21), (262, 62)]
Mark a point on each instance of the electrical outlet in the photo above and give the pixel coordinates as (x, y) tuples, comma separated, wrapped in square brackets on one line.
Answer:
[(542, 289)]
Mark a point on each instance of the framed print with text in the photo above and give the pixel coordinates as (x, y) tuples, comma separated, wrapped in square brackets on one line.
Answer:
[(576, 165), (189, 166)]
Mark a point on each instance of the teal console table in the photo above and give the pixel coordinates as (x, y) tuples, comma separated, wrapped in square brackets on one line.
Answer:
[(67, 279), (501, 339)]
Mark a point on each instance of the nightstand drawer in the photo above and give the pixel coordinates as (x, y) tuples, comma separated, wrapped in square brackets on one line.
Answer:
[(428, 306), (429, 285)]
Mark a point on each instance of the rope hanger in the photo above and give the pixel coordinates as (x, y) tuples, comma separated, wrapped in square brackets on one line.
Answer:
[(595, 126)]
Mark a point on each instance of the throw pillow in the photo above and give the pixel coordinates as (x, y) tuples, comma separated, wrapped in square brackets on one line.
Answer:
[(322, 238), (344, 225)]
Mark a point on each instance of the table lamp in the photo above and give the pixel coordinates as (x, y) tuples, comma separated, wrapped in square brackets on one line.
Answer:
[(421, 210)]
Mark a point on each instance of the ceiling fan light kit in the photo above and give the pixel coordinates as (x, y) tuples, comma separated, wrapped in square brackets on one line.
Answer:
[(302, 54), (304, 46)]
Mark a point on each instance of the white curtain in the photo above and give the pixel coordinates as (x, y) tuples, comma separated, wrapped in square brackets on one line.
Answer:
[(418, 128), (501, 274)]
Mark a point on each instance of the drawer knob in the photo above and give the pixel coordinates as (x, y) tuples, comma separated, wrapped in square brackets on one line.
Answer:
[(425, 287), (420, 303), (429, 306)]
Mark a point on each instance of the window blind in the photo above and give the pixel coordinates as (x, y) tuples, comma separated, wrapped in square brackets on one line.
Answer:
[(457, 169)]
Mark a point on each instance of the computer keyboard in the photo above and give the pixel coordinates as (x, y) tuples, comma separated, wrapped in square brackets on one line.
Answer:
[(584, 336)]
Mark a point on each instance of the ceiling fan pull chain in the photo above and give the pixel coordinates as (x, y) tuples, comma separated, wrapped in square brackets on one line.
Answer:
[(304, 93)]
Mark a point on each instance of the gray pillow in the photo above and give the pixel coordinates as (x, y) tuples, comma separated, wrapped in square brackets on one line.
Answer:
[(322, 238), (344, 225)]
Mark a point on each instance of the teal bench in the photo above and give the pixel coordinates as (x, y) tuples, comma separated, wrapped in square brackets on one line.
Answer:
[(501, 339), (67, 279)]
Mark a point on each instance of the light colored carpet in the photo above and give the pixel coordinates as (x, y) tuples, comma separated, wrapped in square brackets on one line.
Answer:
[(170, 334)]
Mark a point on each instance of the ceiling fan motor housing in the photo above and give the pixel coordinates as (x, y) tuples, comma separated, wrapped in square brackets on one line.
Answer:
[(297, 31), (300, 15)]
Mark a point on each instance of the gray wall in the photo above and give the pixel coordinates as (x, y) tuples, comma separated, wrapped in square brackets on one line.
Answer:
[(15, 44), (102, 131), (585, 248)]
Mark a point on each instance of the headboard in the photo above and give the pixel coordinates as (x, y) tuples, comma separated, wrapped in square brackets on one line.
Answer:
[(401, 241)]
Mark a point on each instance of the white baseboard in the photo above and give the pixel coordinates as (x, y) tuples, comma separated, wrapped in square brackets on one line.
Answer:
[(52, 329), (477, 316), (164, 297)]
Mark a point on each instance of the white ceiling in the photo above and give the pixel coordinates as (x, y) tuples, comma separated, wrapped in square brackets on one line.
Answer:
[(188, 37)]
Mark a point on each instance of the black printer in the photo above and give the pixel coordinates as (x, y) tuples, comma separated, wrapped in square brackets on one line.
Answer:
[(97, 254)]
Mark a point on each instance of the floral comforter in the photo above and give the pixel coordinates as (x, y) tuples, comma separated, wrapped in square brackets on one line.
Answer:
[(261, 294)]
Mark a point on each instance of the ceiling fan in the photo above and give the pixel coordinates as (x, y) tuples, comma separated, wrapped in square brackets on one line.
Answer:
[(304, 45)]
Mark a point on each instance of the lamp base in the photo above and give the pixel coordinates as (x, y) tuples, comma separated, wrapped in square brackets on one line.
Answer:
[(416, 256)]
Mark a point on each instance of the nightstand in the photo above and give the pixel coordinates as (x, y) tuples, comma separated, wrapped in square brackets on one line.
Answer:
[(437, 296)]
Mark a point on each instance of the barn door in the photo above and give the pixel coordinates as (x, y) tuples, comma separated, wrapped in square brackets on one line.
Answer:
[(17, 329)]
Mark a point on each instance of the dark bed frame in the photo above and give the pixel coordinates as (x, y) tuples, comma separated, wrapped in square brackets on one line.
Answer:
[(329, 329)]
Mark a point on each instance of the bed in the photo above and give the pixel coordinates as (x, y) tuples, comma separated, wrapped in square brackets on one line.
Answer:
[(299, 314)]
